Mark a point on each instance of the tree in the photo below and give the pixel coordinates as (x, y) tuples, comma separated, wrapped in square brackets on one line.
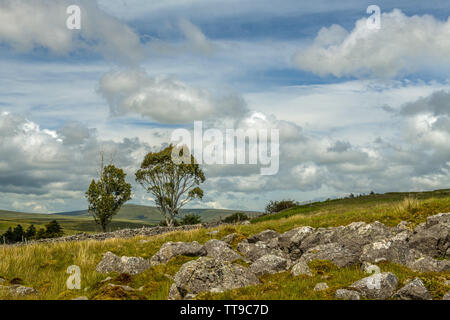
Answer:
[(172, 184), (9, 236), (31, 232), (53, 230), (277, 206), (107, 195), (236, 217), (18, 233), (190, 219)]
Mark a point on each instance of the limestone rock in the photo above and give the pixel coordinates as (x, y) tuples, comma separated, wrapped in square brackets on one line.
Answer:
[(263, 236), (229, 238), (290, 241), (170, 250), (413, 290), (433, 237), (378, 286), (347, 294), (221, 251), (269, 264), (130, 265), (301, 268), (321, 286), (207, 274), (333, 252)]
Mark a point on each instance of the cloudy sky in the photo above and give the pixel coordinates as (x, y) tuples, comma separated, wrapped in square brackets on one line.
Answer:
[(357, 109)]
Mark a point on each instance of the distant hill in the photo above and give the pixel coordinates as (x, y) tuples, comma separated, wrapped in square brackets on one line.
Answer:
[(152, 215)]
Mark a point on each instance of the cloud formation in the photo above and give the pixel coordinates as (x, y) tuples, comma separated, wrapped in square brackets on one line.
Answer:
[(165, 99), (403, 45), (43, 25)]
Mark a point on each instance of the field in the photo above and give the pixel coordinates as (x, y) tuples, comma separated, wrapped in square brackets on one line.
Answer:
[(44, 266), (130, 216)]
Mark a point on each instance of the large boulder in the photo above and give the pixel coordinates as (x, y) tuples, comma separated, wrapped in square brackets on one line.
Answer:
[(171, 250), (290, 241), (254, 251), (394, 249), (358, 234), (221, 251), (263, 236), (413, 290), (379, 286), (432, 237), (334, 252), (130, 265), (208, 274), (423, 263), (269, 264)]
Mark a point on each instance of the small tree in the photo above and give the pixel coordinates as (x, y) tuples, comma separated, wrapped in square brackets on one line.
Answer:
[(107, 195), (277, 206), (236, 217), (172, 184), (31, 232), (190, 219), (53, 230)]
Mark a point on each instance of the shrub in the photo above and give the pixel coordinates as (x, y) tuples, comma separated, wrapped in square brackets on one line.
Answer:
[(190, 219), (277, 206), (236, 217)]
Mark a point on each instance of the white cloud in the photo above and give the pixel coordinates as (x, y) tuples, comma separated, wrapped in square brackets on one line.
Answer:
[(403, 45), (43, 25), (165, 99)]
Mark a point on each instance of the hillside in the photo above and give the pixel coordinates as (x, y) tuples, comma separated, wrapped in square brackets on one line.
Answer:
[(43, 266), (129, 216)]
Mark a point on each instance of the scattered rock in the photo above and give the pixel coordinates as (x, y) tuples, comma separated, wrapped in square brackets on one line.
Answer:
[(170, 250), (129, 265), (378, 286), (290, 241), (423, 263), (446, 296), (432, 237), (269, 264), (144, 241), (333, 252), (347, 294), (213, 232), (413, 290), (221, 251), (18, 290), (369, 268), (81, 298), (301, 268), (321, 286), (254, 251), (174, 294), (206, 274), (229, 238), (263, 236), (394, 249)]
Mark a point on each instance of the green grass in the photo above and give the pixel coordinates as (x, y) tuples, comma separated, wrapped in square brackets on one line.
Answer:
[(43, 266), (129, 216)]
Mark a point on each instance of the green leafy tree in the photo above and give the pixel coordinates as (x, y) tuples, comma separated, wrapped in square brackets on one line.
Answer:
[(173, 184), (53, 230), (236, 217), (8, 236), (31, 232), (277, 206), (107, 195), (18, 233), (190, 219)]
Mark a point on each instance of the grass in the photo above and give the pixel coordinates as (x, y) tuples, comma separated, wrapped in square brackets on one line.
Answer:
[(43, 266)]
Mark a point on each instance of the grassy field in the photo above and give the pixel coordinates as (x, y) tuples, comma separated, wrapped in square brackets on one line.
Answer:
[(44, 266), (129, 216)]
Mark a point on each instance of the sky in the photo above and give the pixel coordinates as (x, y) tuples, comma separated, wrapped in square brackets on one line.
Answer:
[(357, 109)]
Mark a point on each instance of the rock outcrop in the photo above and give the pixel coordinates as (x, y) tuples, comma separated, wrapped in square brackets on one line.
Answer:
[(379, 286), (171, 250), (129, 265), (413, 290), (269, 264), (208, 274)]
